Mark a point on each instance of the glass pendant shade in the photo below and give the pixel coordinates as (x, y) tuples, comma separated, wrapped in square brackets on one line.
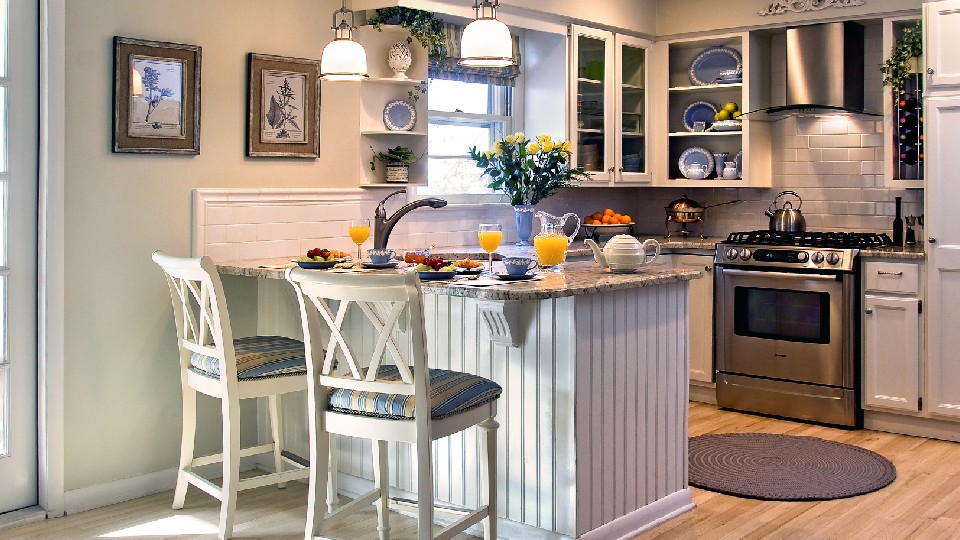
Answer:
[(486, 42), (343, 60)]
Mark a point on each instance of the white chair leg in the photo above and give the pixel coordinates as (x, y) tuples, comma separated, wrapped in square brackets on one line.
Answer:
[(488, 463), (276, 428), (424, 490), (319, 450), (333, 497), (381, 479), (187, 438), (231, 466)]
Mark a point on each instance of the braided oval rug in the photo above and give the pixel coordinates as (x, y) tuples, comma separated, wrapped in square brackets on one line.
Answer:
[(785, 467)]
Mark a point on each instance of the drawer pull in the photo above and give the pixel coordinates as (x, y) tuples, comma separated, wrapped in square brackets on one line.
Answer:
[(885, 273), (868, 311)]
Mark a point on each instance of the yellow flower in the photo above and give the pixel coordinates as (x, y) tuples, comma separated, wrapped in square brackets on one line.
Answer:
[(489, 153), (547, 145), (510, 138), (543, 138), (533, 148), (567, 146), (519, 136), (497, 150)]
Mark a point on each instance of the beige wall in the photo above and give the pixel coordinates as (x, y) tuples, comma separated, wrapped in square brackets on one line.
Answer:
[(121, 384), (690, 16)]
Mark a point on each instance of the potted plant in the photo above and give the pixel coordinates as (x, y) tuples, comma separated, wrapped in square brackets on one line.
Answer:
[(423, 26), (397, 161), (904, 58), (527, 172)]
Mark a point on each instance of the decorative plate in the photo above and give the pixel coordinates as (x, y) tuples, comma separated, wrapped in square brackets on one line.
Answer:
[(515, 277), (739, 160), (706, 67), (399, 115), (434, 276), (699, 111), (379, 266), (727, 125), (695, 156)]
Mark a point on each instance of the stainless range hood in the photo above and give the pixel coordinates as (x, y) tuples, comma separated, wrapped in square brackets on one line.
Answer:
[(824, 70)]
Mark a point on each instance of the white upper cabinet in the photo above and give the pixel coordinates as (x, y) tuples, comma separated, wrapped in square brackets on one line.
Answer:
[(941, 22), (607, 119)]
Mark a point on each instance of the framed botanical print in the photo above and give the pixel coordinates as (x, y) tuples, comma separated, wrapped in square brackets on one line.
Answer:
[(156, 97), (284, 112)]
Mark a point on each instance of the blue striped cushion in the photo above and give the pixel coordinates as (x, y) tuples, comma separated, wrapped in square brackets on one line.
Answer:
[(451, 392), (258, 357)]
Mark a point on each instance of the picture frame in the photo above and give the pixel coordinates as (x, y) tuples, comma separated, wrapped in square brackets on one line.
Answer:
[(284, 107), (156, 97)]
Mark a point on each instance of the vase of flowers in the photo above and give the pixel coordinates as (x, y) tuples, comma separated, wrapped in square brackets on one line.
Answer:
[(527, 171)]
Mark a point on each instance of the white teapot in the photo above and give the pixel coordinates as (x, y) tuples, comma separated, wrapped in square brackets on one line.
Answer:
[(624, 254)]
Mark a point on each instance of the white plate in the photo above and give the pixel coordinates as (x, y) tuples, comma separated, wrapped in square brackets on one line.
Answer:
[(695, 156), (399, 115), (706, 67)]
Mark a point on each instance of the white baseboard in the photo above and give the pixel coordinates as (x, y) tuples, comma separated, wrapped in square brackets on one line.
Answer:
[(703, 392), (645, 518), (18, 518), (931, 428)]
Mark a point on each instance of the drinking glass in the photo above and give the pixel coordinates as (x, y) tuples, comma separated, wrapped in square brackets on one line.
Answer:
[(490, 235), (359, 232)]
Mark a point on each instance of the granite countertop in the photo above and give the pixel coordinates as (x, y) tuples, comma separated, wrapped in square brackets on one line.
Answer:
[(577, 278), (915, 252), (578, 248)]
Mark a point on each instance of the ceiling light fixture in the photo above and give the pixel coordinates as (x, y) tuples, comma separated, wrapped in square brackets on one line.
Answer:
[(486, 42), (343, 59)]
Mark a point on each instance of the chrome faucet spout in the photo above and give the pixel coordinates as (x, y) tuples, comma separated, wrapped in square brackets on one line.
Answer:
[(383, 225)]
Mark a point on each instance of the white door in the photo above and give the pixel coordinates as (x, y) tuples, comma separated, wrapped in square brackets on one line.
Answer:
[(19, 66), (891, 353), (941, 21), (942, 224)]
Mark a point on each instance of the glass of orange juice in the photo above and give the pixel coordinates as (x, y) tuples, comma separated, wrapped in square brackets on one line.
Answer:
[(490, 235), (551, 247), (359, 232)]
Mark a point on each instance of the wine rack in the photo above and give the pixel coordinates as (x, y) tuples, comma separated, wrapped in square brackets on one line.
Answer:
[(908, 135)]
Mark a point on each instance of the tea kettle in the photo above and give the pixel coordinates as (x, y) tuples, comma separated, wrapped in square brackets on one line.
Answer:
[(624, 254), (788, 218)]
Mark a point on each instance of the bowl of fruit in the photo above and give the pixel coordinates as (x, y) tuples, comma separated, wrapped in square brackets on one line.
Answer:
[(607, 223), (433, 268), (321, 258), (727, 118)]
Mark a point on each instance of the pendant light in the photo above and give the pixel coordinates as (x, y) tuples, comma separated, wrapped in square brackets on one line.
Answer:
[(486, 42), (343, 59)]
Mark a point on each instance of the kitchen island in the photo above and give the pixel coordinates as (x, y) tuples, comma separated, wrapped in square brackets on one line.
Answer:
[(593, 438)]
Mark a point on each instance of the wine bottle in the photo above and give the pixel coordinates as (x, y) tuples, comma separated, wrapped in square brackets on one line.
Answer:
[(898, 224), (908, 121), (909, 155)]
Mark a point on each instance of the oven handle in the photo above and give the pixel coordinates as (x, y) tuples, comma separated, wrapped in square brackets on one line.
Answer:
[(787, 275)]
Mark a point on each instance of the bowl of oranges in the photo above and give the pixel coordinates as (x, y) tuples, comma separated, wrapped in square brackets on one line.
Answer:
[(607, 222)]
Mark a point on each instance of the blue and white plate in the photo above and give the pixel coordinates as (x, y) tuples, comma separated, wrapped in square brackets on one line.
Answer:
[(695, 156), (699, 111), (399, 115), (739, 160), (706, 67)]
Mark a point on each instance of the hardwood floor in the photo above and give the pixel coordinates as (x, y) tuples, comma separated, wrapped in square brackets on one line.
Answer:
[(923, 502)]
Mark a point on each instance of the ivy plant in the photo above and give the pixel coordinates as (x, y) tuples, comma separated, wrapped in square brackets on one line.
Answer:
[(422, 25), (897, 68)]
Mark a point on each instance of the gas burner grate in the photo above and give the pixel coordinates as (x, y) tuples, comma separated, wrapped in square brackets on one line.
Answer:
[(840, 240)]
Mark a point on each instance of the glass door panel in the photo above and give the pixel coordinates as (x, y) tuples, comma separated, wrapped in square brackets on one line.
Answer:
[(591, 105), (632, 109)]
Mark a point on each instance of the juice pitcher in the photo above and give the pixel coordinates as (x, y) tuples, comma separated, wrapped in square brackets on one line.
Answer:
[(551, 246), (558, 223)]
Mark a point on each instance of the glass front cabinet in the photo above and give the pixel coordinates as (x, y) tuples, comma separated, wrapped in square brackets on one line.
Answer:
[(608, 118)]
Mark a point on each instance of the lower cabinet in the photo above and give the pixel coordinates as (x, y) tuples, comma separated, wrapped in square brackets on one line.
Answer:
[(892, 332), (700, 310)]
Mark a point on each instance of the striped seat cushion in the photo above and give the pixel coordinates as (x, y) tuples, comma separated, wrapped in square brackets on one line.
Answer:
[(451, 392), (258, 357)]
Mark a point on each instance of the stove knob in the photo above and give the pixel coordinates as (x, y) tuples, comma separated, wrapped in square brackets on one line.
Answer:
[(745, 254), (833, 258), (732, 253), (817, 257), (802, 257)]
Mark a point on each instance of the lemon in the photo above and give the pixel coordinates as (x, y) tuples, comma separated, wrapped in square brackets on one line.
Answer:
[(722, 115), (737, 114), (731, 107)]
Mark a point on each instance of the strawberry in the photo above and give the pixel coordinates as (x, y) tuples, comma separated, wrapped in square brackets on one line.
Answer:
[(324, 253), (313, 252)]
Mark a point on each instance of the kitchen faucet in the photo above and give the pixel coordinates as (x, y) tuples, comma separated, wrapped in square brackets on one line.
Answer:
[(382, 225)]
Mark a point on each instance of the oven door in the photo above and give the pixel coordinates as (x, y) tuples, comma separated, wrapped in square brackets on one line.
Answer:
[(783, 325)]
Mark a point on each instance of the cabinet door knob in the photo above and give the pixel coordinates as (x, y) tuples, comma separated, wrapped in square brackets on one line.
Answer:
[(930, 71), (932, 240), (708, 269), (868, 311), (611, 169)]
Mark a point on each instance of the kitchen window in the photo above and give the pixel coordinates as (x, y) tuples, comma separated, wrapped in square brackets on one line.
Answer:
[(464, 114)]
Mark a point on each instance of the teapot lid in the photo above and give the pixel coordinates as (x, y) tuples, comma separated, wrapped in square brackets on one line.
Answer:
[(683, 203)]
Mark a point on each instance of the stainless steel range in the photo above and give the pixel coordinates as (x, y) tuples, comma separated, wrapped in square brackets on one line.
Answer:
[(786, 330)]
